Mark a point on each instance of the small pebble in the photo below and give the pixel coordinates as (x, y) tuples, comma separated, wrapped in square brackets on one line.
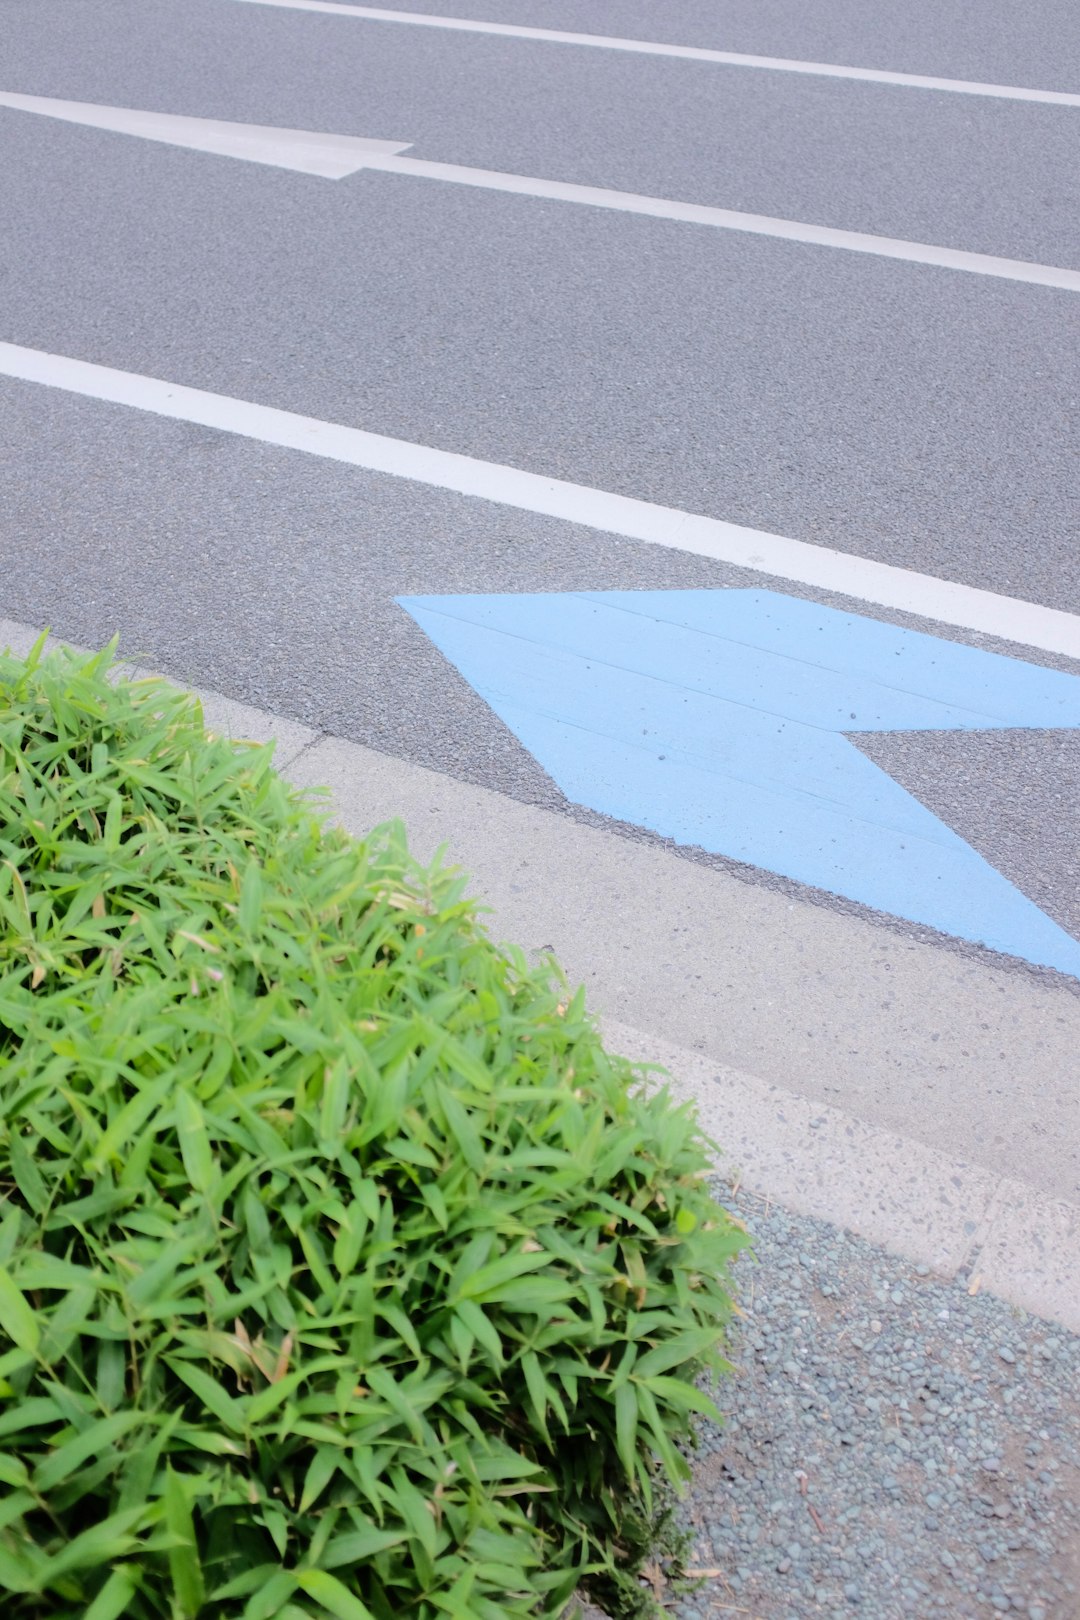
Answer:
[(866, 1388)]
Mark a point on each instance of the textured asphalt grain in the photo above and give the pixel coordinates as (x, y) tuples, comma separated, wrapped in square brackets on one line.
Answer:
[(987, 175), (271, 576), (1006, 41), (922, 417), (895, 1447)]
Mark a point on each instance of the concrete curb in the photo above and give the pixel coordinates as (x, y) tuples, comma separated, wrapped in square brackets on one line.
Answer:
[(964, 1220), (954, 1216)]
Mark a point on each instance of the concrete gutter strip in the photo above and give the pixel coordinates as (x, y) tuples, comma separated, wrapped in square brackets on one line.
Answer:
[(964, 1219), (959, 1219), (917, 1038)]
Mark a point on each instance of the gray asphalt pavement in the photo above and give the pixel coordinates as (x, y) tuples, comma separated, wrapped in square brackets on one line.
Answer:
[(918, 416), (272, 576), (897, 411), (991, 176), (1006, 41)]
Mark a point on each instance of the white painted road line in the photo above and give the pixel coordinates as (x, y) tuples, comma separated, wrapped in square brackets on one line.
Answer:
[(687, 53), (729, 219), (335, 156), (331, 157), (859, 578)]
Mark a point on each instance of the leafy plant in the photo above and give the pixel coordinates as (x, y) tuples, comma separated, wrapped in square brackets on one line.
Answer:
[(342, 1271)]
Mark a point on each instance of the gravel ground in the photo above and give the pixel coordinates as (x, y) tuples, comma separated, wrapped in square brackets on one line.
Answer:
[(896, 1446)]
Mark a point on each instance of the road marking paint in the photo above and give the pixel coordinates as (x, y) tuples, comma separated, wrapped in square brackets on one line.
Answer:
[(788, 230), (688, 53), (722, 719), (335, 156), (331, 157), (860, 578)]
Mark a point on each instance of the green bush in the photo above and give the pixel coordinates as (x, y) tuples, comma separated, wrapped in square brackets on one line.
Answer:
[(342, 1272)]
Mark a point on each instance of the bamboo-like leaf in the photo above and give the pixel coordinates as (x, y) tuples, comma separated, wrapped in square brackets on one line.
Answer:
[(111, 1372), (13, 1470), (256, 1220), (482, 1329), (16, 1575), (333, 1594), (417, 1512), (28, 1177), (194, 1142), (626, 1423), (184, 1565), (212, 1396), (681, 1349), (92, 1441), (355, 1547), (251, 898), (335, 1101), (683, 1397), (36, 1412), (326, 1218), (114, 821), (99, 1544), (321, 1471), (463, 1130), (114, 1598), (276, 1393), (271, 1596), (20, 908), (539, 1392), (128, 1122), (486, 1281), (18, 1322)]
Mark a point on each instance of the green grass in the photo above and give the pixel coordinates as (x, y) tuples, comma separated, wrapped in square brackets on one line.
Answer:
[(342, 1271)]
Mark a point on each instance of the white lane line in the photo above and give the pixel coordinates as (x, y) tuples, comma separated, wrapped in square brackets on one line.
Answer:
[(730, 219), (331, 157), (335, 156), (945, 601), (687, 53)]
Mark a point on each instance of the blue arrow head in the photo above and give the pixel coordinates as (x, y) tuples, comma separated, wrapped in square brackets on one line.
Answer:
[(717, 718)]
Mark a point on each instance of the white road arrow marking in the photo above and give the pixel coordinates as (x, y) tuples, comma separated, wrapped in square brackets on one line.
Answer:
[(330, 156), (334, 156)]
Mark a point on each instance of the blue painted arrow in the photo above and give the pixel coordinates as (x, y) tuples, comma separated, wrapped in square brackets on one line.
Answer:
[(717, 718)]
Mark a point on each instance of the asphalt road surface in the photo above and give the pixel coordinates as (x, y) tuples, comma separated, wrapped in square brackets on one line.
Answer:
[(878, 407)]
